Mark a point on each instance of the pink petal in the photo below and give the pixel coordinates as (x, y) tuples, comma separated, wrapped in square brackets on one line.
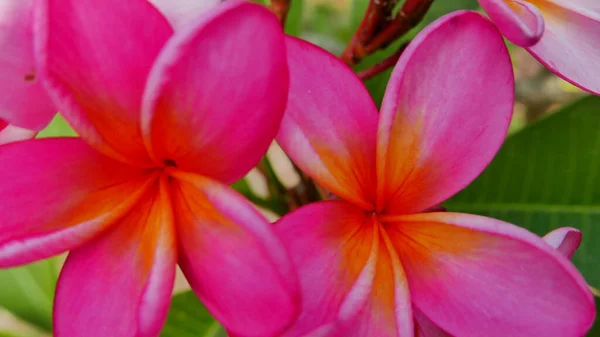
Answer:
[(216, 95), (445, 112), (566, 240), (10, 133), (470, 274), (329, 128), (520, 21), (571, 42), (95, 57), (425, 327), (351, 285), (18, 76), (120, 284), (232, 258), (58, 193), (181, 12)]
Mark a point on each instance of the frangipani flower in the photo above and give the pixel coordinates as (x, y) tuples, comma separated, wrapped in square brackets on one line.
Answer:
[(565, 239), (166, 121), (24, 105), (378, 262), (562, 34)]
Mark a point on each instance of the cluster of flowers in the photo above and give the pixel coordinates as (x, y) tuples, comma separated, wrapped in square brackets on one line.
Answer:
[(171, 106)]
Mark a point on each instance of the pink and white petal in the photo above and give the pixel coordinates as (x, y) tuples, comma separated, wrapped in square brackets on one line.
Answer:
[(470, 274), (216, 95), (330, 126), (181, 12), (24, 101), (424, 327), (334, 249), (445, 112), (520, 21), (58, 193), (571, 42), (94, 58), (566, 240), (120, 284), (10, 133), (232, 258)]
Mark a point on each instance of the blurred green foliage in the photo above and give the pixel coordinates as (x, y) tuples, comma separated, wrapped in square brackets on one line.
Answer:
[(189, 318)]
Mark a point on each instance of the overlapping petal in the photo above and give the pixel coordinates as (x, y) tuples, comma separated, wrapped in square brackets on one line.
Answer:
[(10, 133), (571, 42), (181, 12), (471, 274), (329, 129), (232, 258), (23, 101), (120, 284), (566, 240), (213, 117), (95, 57), (445, 113), (57, 194), (519, 20)]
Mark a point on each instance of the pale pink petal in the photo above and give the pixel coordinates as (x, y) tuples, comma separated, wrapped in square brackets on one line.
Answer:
[(217, 92), (470, 274), (566, 240), (58, 193), (11, 133), (445, 112), (23, 100), (232, 259), (571, 42), (94, 57), (351, 284), (120, 284), (519, 20), (329, 129), (181, 12)]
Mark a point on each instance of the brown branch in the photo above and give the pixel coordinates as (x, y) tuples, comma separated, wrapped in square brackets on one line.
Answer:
[(382, 66), (281, 9), (382, 29)]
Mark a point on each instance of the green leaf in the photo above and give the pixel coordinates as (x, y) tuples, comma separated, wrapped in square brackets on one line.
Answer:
[(7, 334), (293, 23), (545, 177), (58, 127), (28, 292), (189, 318)]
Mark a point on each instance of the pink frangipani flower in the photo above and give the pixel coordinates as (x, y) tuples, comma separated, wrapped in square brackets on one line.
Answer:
[(166, 121), (24, 105), (380, 261), (565, 239), (564, 35)]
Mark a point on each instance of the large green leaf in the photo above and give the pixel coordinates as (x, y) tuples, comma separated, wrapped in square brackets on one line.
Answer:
[(547, 176), (189, 318), (28, 292)]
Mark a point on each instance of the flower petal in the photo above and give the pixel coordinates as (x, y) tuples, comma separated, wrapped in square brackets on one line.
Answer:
[(520, 21), (181, 12), (329, 129), (571, 42), (470, 274), (216, 94), (445, 113), (566, 240), (424, 327), (351, 284), (18, 77), (221, 235), (10, 133), (95, 57), (120, 284), (58, 193)]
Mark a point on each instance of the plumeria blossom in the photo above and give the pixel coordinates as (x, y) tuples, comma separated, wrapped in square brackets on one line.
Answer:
[(380, 261), (166, 121), (24, 105), (561, 34), (566, 240)]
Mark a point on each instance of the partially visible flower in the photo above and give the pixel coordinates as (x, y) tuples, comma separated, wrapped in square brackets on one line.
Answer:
[(166, 121), (565, 239), (378, 261), (564, 35), (10, 133), (23, 101), (180, 12)]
